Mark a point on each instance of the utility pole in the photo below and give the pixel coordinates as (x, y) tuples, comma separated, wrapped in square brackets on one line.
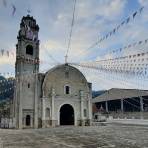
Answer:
[(66, 57)]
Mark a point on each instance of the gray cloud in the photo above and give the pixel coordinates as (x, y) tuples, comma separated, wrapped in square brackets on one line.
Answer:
[(93, 19)]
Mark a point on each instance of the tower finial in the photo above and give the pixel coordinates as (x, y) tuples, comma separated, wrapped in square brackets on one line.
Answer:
[(28, 11)]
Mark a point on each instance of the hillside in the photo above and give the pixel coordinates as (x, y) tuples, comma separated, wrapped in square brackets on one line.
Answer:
[(6, 88), (97, 93)]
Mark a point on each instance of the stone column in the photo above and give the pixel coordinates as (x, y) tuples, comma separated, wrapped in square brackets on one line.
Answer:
[(52, 107), (141, 104), (15, 116), (36, 102), (141, 107), (15, 98), (20, 117), (89, 110), (106, 106), (122, 106), (43, 112), (82, 108)]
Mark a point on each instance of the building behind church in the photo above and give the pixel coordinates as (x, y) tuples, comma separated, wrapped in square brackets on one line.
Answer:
[(122, 103), (61, 96)]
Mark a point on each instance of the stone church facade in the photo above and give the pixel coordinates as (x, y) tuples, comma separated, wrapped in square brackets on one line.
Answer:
[(61, 96)]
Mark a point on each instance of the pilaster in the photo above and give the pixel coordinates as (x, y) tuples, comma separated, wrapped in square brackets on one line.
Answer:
[(52, 107), (36, 102), (82, 107)]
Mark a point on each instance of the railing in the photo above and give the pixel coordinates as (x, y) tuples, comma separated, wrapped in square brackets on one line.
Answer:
[(7, 123), (122, 115)]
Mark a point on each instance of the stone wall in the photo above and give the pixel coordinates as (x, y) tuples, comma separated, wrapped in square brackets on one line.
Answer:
[(128, 115)]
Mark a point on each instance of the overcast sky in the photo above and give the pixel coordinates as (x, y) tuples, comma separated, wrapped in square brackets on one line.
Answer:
[(93, 19)]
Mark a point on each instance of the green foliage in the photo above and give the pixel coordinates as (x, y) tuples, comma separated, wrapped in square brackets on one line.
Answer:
[(6, 88)]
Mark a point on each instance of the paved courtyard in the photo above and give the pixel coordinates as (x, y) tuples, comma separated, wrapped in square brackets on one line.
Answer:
[(109, 136)]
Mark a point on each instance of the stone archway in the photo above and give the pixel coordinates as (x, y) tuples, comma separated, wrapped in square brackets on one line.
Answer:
[(66, 115)]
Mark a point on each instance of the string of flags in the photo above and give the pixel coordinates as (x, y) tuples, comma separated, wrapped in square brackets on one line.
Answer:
[(133, 56), (115, 71), (13, 9), (99, 108), (5, 4), (27, 60), (26, 76), (113, 79), (131, 64), (113, 31), (7, 53), (24, 79), (51, 57), (131, 104), (130, 46), (126, 21), (19, 75)]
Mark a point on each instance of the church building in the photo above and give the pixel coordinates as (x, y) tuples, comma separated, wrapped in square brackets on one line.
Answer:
[(61, 96)]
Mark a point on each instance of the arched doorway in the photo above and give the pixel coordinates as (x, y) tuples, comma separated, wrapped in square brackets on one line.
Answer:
[(66, 115), (28, 120)]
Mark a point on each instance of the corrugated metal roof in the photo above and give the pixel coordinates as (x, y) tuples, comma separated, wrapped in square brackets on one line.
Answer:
[(115, 93)]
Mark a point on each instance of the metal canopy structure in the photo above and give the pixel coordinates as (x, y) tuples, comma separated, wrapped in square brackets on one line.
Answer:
[(115, 94)]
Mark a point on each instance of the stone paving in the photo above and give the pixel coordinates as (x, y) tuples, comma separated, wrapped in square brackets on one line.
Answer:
[(109, 136)]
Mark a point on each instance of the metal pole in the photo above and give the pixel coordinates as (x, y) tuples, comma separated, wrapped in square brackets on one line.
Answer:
[(122, 106)]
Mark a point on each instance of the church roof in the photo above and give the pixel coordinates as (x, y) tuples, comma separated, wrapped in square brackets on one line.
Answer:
[(62, 75), (54, 68), (115, 93), (62, 66)]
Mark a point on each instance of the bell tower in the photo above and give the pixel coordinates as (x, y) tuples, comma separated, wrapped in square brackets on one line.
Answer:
[(27, 48), (26, 72)]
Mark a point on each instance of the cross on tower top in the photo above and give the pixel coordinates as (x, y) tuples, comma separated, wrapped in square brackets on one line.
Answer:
[(28, 11)]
